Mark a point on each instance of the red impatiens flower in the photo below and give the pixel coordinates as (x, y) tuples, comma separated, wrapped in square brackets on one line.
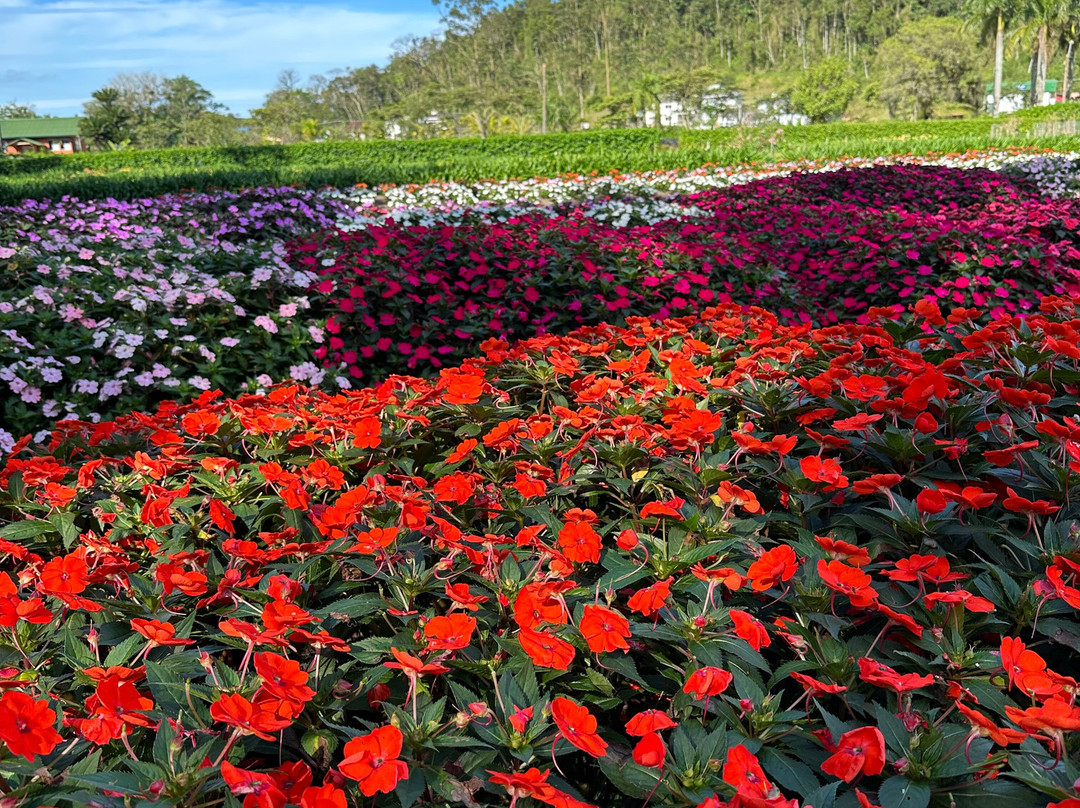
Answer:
[(283, 678), (27, 725), (815, 687), (545, 649), (372, 760), (752, 788), (823, 470), (578, 726), (860, 751), (731, 493), (773, 568), (449, 633), (873, 672), (579, 542), (750, 629), (1025, 668), (260, 789), (158, 633), (651, 599), (325, 796), (604, 629), (257, 719), (707, 681), (649, 721), (650, 751), (983, 727), (849, 581)]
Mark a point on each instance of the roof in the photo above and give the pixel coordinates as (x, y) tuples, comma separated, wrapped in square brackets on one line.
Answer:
[(12, 128)]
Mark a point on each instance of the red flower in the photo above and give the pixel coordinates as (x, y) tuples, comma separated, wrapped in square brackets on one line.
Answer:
[(545, 649), (983, 727), (283, 678), (860, 751), (750, 629), (449, 633), (815, 687), (324, 796), (579, 542), (260, 788), (729, 492), (157, 632), (650, 751), (773, 568), (200, 424), (254, 719), (1025, 669), (372, 760), (823, 470), (532, 783), (604, 629), (849, 581), (707, 682), (649, 721), (873, 672), (27, 726), (578, 726)]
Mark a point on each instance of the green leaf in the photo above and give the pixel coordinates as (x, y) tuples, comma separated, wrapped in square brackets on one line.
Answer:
[(791, 774), (26, 529), (899, 792), (896, 737), (409, 791)]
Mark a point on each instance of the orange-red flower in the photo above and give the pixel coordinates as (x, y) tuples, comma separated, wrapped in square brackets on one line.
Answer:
[(849, 581), (873, 672), (579, 542), (823, 470), (604, 629), (983, 727), (27, 725), (372, 760), (750, 629), (259, 789), (545, 649), (860, 751), (578, 726), (325, 796), (283, 678), (773, 568), (253, 719), (707, 681), (650, 751), (449, 633), (649, 721), (158, 633), (1025, 668)]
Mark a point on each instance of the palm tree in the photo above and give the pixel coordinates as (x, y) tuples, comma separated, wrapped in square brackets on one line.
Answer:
[(993, 15), (1041, 17)]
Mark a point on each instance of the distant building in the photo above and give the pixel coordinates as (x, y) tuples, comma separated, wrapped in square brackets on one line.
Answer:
[(25, 135)]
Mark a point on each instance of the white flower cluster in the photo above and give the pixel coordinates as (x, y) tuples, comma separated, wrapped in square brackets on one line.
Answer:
[(626, 200)]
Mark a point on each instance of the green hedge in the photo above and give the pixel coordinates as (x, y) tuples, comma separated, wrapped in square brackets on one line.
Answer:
[(129, 174)]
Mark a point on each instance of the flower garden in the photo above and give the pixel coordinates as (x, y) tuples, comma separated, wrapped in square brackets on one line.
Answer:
[(734, 488)]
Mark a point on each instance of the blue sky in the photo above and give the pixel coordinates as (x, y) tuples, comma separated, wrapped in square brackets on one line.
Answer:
[(54, 53)]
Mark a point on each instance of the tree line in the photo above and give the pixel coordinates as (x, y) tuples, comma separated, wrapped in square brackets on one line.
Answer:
[(559, 65)]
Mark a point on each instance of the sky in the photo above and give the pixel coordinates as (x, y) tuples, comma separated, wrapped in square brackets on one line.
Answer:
[(54, 53)]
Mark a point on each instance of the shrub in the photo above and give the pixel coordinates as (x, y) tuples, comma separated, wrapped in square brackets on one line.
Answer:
[(708, 556)]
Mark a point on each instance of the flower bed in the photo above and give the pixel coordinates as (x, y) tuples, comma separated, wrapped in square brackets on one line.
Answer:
[(821, 246), (714, 561), (111, 306)]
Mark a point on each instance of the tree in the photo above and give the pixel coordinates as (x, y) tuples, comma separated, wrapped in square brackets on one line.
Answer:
[(105, 120), (17, 110), (992, 16), (823, 92), (927, 62)]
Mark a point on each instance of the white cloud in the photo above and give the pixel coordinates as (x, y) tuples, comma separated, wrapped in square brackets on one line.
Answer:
[(226, 45)]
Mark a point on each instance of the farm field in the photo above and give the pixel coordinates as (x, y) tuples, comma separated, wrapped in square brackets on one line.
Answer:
[(734, 487), (134, 174)]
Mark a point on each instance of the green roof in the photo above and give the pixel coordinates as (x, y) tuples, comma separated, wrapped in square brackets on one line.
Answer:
[(12, 128)]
